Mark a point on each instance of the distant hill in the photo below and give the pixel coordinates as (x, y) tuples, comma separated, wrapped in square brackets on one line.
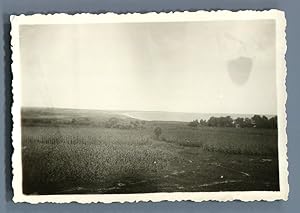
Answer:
[(103, 115), (36, 116), (43, 112)]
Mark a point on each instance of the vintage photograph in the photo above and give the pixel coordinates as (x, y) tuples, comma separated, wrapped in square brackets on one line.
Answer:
[(129, 106)]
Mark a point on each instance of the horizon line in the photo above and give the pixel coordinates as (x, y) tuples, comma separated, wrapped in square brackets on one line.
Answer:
[(118, 110)]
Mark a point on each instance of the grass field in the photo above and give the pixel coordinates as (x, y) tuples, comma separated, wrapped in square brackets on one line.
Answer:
[(74, 152)]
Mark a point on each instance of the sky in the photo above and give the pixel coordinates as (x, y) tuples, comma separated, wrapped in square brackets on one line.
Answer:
[(199, 67)]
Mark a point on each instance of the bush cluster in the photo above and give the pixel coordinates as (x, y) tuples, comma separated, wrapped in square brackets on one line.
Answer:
[(256, 121)]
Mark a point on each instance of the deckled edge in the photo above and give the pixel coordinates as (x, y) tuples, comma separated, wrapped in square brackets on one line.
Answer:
[(281, 71)]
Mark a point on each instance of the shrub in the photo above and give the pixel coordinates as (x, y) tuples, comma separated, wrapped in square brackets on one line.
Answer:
[(157, 132)]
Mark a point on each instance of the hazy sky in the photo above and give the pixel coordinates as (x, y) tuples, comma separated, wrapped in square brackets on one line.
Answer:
[(215, 67)]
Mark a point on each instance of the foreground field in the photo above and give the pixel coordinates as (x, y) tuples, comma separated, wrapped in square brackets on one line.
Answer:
[(62, 159)]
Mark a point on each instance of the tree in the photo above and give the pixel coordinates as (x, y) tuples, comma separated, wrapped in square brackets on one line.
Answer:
[(239, 122), (261, 121), (203, 122), (257, 121), (228, 121), (248, 122), (212, 121), (273, 122), (194, 123), (157, 132)]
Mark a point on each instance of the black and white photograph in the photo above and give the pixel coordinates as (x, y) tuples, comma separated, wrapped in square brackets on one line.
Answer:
[(191, 104)]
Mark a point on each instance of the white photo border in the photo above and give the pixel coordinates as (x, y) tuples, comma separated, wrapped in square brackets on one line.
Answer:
[(221, 15)]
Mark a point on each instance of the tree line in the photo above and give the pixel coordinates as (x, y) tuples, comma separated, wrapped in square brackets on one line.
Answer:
[(256, 121)]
